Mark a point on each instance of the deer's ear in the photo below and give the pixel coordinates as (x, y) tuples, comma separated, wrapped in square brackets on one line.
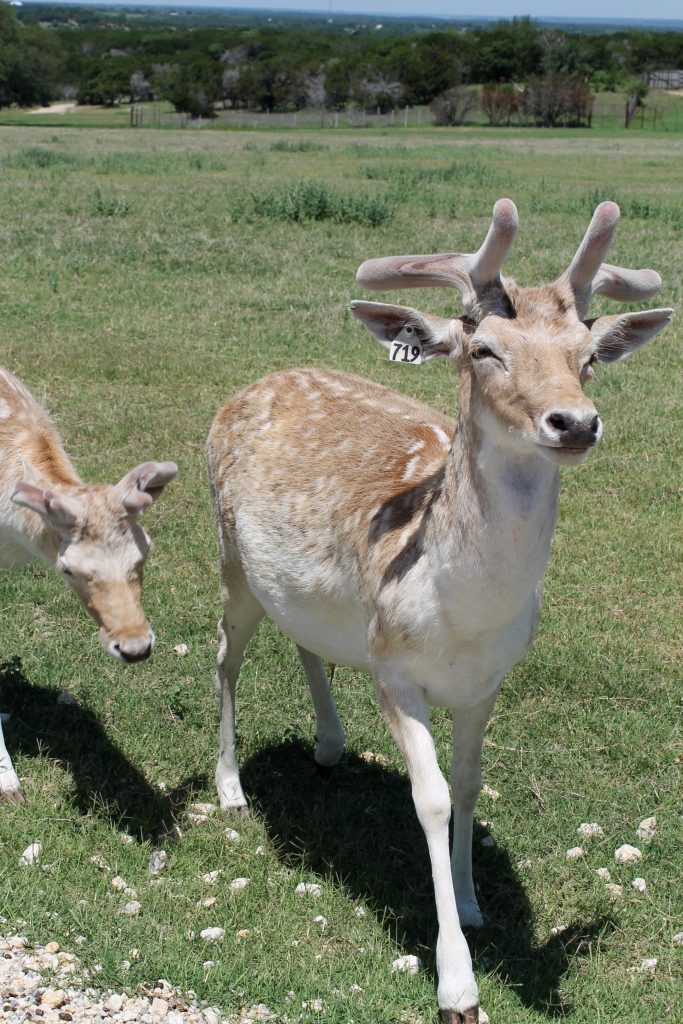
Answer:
[(62, 512), (616, 337), (142, 486), (437, 335)]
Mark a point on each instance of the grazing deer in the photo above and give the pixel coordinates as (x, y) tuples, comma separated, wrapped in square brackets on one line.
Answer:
[(88, 532), (380, 534)]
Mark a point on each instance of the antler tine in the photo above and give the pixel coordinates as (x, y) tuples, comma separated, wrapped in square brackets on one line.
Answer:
[(626, 285), (486, 263), (468, 272), (590, 254)]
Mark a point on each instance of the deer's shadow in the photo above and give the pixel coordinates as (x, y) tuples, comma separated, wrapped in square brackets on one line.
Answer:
[(357, 826), (105, 781)]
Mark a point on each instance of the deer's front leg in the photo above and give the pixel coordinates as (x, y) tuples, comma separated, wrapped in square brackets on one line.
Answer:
[(469, 725), (407, 716), (10, 787)]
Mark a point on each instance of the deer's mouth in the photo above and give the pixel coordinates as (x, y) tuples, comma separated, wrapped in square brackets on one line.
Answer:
[(563, 455)]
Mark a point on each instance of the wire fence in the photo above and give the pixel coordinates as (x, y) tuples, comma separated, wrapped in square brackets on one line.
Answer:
[(605, 116)]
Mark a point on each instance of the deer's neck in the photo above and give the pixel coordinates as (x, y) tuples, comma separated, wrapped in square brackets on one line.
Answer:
[(498, 501), (33, 452)]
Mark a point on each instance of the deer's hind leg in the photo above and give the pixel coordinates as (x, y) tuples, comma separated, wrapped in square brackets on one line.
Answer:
[(10, 787), (329, 735), (241, 615)]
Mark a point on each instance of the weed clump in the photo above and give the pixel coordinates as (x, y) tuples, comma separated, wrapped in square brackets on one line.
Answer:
[(39, 158), (307, 201), (110, 206), (297, 146)]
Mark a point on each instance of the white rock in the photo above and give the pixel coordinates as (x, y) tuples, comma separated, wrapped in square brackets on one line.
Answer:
[(53, 997), (212, 934), (309, 888), (360, 911), (159, 1007), (627, 854), (649, 965), (409, 964), (206, 809), (678, 939), (615, 890), (211, 877), (175, 1017), (124, 966), (639, 884), (157, 862), (322, 921), (493, 794), (198, 819), (114, 1002), (131, 909), (647, 828), (125, 838), (210, 1015), (67, 699), (119, 883), (180, 650), (604, 874), (31, 855), (558, 929), (240, 883), (232, 835), (208, 902), (260, 851), (316, 1005), (258, 1012), (242, 933), (589, 829), (576, 853)]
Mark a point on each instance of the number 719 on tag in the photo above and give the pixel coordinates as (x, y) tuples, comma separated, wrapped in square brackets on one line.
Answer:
[(400, 352)]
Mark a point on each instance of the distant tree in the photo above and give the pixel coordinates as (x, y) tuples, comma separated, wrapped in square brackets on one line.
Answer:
[(107, 86), (271, 84), (554, 100), (193, 87), (500, 103), (26, 77), (453, 106)]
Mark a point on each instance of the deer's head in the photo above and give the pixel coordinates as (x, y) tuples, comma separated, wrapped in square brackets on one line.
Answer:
[(103, 549), (525, 354)]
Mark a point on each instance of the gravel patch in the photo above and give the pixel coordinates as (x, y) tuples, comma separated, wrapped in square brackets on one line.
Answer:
[(44, 983)]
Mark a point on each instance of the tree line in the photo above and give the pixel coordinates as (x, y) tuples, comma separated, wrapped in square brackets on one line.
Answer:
[(258, 66)]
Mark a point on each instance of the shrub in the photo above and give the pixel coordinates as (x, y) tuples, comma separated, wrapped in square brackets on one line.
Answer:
[(500, 103), (452, 107)]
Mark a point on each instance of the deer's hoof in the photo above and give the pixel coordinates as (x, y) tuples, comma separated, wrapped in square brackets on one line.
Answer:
[(12, 796), (470, 1016)]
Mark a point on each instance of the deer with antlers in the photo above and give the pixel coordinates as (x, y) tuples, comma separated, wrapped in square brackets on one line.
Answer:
[(88, 532), (380, 534)]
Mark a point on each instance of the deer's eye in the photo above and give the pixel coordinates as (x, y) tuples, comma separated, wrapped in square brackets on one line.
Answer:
[(483, 352), (66, 572)]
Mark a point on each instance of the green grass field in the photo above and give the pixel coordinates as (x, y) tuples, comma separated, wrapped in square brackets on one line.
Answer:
[(146, 277)]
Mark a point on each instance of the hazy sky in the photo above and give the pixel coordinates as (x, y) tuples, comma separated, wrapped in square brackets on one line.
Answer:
[(624, 9)]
